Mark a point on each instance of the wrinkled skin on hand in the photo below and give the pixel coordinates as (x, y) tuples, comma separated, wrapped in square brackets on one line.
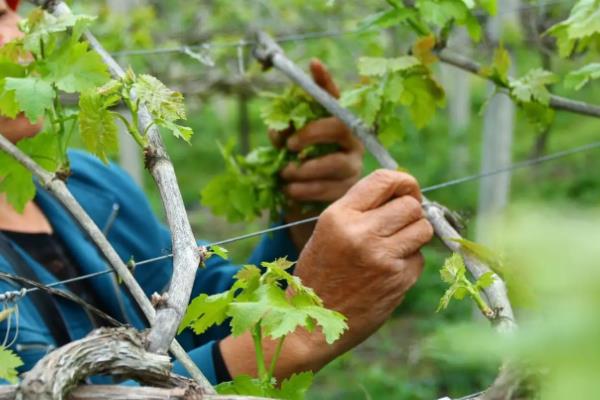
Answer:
[(362, 258), (364, 254)]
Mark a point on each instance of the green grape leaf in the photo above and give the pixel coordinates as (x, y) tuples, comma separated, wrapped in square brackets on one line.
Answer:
[(205, 311), (17, 181), (40, 25), (179, 131), (293, 106), (97, 125), (485, 280), (388, 18), (393, 90), (532, 87), (249, 184), (242, 384), (162, 102), (296, 386), (247, 278), (165, 105), (460, 292), (453, 269), (17, 184), (422, 95), (579, 78), (455, 291), (278, 270), (269, 306), (11, 56), (33, 95), (500, 68), (366, 101), (219, 192), (580, 30), (391, 130), (279, 313), (74, 68), (9, 67), (8, 102), (263, 301), (378, 66), (483, 253), (539, 115), (332, 323), (454, 273), (490, 6), (9, 362), (220, 251), (440, 13)]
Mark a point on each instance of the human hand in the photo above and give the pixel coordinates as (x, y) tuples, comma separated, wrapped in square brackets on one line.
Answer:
[(326, 178), (322, 179), (364, 255)]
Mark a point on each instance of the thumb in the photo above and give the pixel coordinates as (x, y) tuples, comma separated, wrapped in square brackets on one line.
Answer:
[(379, 188), (323, 78)]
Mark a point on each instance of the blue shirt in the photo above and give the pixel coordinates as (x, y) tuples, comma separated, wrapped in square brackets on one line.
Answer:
[(114, 201)]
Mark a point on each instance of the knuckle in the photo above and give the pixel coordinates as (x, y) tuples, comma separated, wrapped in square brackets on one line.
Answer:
[(430, 231), (383, 176), (335, 160), (409, 180), (413, 207), (356, 165), (426, 231), (341, 128), (289, 171), (330, 216), (412, 267), (297, 191)]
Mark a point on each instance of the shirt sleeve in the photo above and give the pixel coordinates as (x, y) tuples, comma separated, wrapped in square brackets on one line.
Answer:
[(201, 356), (274, 245)]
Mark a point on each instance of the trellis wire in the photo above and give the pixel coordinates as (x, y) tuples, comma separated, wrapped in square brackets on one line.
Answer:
[(300, 37), (519, 165), (22, 281)]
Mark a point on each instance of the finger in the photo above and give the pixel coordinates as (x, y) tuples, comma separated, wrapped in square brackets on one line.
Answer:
[(279, 138), (410, 239), (323, 191), (325, 130), (322, 77), (378, 188), (395, 215), (333, 166), (408, 270)]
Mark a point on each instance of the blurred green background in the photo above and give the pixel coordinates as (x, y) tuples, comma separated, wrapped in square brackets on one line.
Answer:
[(223, 106)]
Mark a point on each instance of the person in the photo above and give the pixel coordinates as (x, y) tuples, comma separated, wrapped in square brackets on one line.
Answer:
[(361, 257)]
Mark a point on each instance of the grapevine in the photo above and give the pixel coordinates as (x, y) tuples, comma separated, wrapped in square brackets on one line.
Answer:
[(52, 58)]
